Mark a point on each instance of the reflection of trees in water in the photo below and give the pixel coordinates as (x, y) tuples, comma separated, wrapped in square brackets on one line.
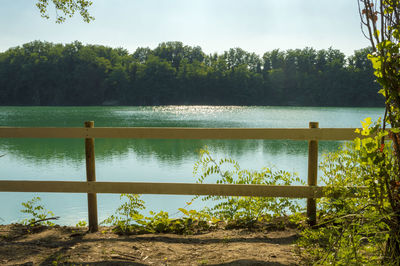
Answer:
[(172, 151)]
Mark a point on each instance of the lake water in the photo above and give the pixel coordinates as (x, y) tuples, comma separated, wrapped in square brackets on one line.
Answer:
[(150, 160)]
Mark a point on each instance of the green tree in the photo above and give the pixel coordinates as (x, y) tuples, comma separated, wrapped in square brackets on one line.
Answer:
[(43, 73), (172, 52), (157, 81), (381, 21)]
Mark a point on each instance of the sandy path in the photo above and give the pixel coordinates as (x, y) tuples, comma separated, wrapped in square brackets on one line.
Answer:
[(68, 245)]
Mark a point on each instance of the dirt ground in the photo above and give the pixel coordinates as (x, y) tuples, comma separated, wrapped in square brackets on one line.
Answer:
[(74, 246)]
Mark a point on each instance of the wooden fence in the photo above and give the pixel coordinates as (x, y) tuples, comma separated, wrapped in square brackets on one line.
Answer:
[(312, 191)]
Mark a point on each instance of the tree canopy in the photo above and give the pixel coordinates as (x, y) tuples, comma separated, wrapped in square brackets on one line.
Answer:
[(43, 73)]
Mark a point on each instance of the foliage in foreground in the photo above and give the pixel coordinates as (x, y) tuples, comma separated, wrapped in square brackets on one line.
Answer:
[(245, 209), (367, 230), (353, 228), (381, 20), (227, 212), (39, 215), (128, 219), (65, 8)]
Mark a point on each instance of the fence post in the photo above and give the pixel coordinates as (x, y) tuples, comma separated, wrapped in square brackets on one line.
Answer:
[(91, 177), (312, 176)]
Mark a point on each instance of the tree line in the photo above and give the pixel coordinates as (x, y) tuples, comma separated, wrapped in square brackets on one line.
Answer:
[(43, 73)]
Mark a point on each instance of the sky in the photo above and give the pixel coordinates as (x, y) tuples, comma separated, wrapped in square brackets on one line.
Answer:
[(214, 25)]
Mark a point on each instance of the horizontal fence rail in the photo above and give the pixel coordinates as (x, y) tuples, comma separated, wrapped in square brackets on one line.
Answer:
[(173, 189), (182, 133), (312, 134), (163, 188)]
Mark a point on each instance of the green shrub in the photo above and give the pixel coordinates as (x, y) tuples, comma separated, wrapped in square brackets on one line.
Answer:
[(351, 230), (246, 210), (127, 217), (39, 214), (237, 211), (81, 223)]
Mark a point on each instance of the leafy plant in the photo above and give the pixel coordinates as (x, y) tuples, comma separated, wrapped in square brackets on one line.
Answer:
[(39, 214), (352, 230), (65, 8), (127, 217), (81, 223), (241, 211), (247, 210), (382, 21)]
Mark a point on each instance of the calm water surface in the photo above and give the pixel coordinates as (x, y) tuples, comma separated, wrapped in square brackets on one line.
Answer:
[(150, 160)]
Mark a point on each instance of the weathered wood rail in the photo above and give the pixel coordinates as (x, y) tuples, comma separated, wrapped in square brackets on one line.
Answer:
[(312, 191)]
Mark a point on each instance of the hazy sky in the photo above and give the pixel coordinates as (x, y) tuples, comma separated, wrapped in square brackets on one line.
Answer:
[(215, 25)]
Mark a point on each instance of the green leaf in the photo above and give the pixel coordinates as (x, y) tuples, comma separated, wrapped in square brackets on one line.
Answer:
[(184, 211), (382, 91)]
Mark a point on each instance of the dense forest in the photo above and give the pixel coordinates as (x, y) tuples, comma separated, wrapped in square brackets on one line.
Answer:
[(43, 73)]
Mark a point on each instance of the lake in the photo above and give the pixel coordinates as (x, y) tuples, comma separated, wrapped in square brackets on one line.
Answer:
[(150, 160)]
